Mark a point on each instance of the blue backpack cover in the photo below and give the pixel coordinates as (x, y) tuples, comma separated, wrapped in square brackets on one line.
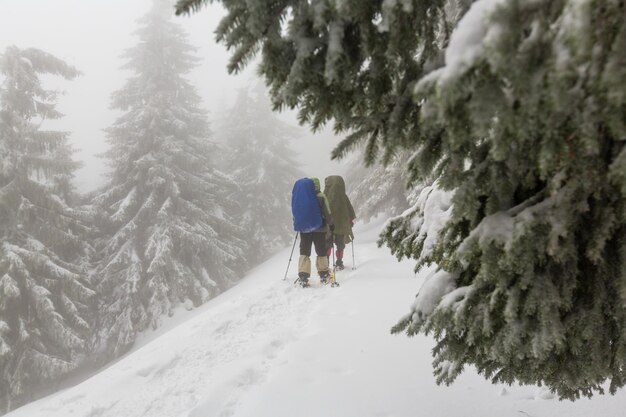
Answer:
[(305, 209)]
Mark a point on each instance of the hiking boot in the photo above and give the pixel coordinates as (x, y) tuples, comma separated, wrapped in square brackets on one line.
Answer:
[(324, 276), (303, 279), (339, 265)]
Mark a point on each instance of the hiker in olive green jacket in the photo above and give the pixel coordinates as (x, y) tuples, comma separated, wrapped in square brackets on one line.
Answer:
[(318, 238), (343, 216)]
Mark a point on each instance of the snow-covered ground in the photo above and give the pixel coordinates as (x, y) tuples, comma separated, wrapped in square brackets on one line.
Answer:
[(269, 349)]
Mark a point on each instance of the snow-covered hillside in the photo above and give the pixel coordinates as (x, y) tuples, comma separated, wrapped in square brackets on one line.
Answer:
[(269, 349)]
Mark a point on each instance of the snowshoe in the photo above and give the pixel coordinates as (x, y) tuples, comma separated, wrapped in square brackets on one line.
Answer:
[(324, 278), (333, 281), (302, 280)]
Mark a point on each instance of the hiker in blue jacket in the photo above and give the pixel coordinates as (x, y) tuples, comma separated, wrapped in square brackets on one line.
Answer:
[(316, 237)]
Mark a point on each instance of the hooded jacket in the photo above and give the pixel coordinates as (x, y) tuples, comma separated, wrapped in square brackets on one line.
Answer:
[(340, 205)]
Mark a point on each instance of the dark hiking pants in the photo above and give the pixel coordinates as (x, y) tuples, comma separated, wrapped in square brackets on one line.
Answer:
[(304, 264), (340, 243), (316, 238)]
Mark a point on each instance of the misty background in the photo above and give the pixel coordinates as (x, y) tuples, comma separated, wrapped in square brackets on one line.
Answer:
[(92, 35), (167, 220)]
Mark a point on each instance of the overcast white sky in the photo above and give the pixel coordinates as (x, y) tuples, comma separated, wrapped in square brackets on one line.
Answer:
[(91, 35)]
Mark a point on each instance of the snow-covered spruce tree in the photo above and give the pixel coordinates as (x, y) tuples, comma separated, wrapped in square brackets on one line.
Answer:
[(525, 119), (45, 302), (169, 236), (379, 189), (264, 168)]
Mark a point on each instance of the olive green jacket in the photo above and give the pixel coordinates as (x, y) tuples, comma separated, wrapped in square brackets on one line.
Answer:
[(340, 205)]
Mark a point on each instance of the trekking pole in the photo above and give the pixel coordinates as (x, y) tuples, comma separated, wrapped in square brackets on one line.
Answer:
[(290, 255), (333, 279), (353, 264)]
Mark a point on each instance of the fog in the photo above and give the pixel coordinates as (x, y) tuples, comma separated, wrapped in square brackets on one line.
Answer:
[(92, 35)]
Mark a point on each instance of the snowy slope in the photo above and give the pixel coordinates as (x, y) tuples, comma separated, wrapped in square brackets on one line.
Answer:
[(267, 348)]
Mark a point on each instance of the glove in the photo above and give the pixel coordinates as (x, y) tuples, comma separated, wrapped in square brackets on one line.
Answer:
[(331, 227)]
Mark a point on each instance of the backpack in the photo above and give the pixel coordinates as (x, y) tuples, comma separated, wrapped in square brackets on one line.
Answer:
[(305, 209)]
